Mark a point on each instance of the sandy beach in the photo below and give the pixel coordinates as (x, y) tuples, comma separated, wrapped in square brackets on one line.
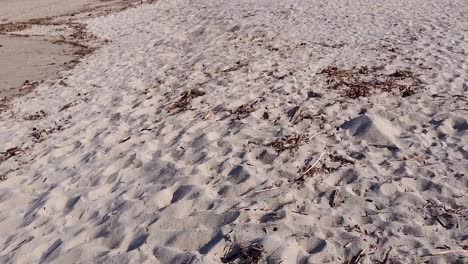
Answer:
[(39, 39), (202, 131)]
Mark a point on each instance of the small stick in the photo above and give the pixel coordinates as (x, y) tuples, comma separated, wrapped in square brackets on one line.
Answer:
[(126, 139), (462, 251), (301, 213), (332, 198), (311, 167), (296, 114), (315, 163), (385, 261), (265, 190), (316, 134), (357, 258)]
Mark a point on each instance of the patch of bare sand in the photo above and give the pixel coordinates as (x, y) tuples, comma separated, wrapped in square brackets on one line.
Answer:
[(40, 39), (21, 10), (26, 59)]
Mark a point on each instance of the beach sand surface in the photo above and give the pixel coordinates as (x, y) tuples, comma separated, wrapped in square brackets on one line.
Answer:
[(27, 59), (48, 44), (22, 10), (317, 131)]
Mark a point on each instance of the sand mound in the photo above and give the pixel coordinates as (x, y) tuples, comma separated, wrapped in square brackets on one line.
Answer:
[(373, 129)]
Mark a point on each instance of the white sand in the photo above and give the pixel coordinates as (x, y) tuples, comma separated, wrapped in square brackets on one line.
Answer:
[(108, 174)]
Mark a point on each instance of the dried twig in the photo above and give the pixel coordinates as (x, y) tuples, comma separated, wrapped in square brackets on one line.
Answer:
[(297, 112), (11, 152), (310, 169), (457, 251), (332, 198), (244, 110), (364, 81), (67, 106), (36, 116), (243, 254), (385, 260), (357, 258), (184, 100), (266, 190), (38, 134), (290, 142), (125, 139)]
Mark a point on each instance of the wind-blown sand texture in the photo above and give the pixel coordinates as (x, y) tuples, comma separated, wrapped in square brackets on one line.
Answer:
[(320, 131)]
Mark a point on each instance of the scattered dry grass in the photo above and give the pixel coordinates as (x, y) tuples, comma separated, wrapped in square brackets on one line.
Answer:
[(357, 258), (445, 216), (29, 86), (244, 110), (38, 135), (316, 118), (310, 171), (36, 116), (11, 152), (19, 26), (243, 254), (364, 81), (104, 9), (307, 172), (184, 100), (289, 142), (66, 106), (342, 160), (25, 88), (13, 26)]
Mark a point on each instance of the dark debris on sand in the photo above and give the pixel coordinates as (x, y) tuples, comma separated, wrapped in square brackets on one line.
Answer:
[(289, 142), (307, 172), (366, 81), (11, 152), (243, 254), (244, 110), (184, 100)]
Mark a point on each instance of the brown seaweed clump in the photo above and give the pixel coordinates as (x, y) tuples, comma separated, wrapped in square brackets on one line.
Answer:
[(364, 81)]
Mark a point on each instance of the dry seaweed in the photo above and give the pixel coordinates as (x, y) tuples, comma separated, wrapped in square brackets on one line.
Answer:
[(11, 152), (332, 198), (295, 113), (19, 26), (38, 135), (28, 85), (364, 81), (36, 116), (310, 170), (243, 254), (237, 66), (184, 100), (244, 110), (3, 177), (66, 106), (446, 217), (13, 26), (342, 160), (307, 172), (357, 258), (289, 142)]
